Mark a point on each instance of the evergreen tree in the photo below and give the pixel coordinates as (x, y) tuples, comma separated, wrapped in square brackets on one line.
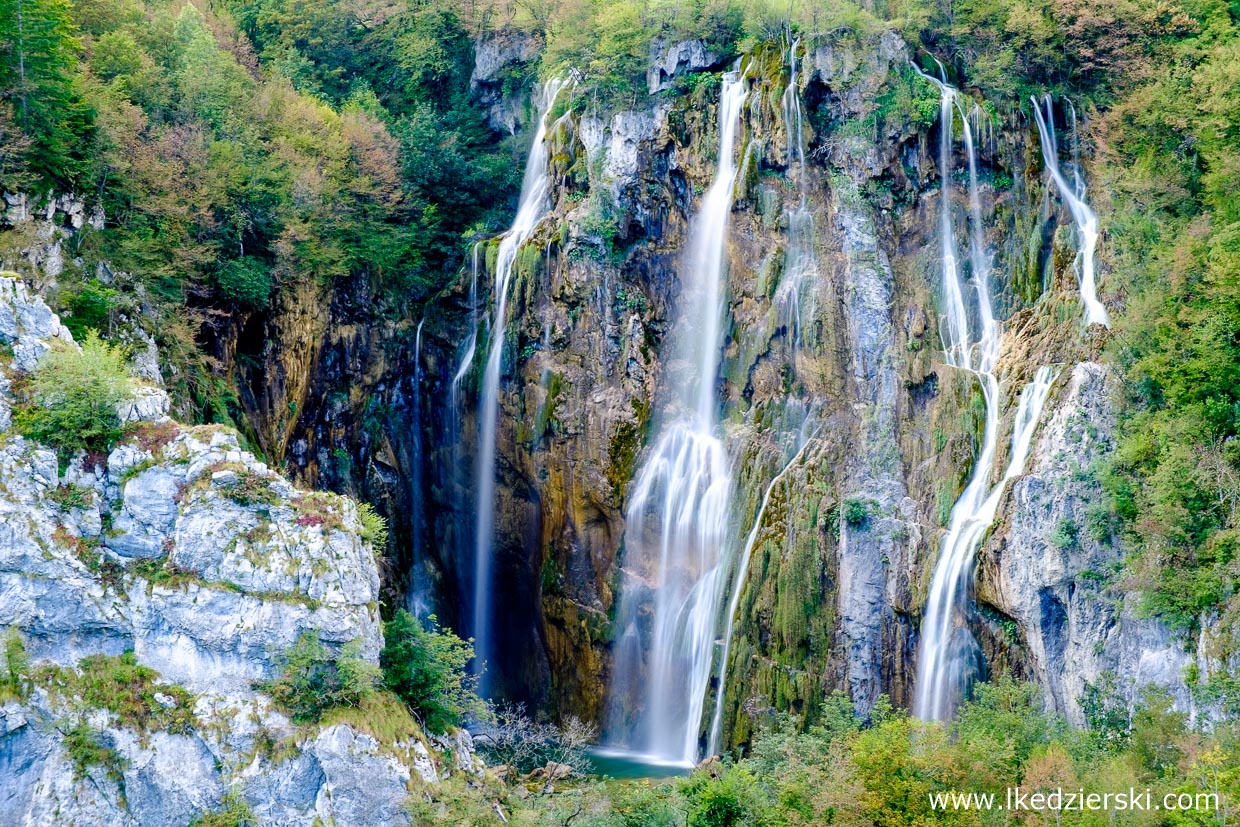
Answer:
[(38, 60)]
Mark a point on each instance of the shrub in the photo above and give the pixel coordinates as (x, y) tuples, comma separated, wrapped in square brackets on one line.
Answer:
[(128, 690), (857, 511), (247, 281), (87, 748), (374, 527), (1064, 536), (14, 676), (70, 401), (426, 668), (311, 681), (235, 811), (732, 798), (510, 737)]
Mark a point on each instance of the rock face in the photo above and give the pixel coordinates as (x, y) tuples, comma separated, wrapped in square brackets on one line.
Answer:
[(186, 551), (669, 60), (1052, 569), (848, 425)]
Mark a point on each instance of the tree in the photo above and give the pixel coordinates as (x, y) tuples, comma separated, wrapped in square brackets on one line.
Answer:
[(38, 65), (71, 399), (425, 667)]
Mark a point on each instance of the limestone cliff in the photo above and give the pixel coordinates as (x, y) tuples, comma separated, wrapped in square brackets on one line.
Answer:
[(182, 555)]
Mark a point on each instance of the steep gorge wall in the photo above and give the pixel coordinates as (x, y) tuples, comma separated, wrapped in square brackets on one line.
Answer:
[(874, 435), (882, 431)]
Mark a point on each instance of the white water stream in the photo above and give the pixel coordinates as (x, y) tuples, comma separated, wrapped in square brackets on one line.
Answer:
[(948, 652), (676, 543), (530, 210), (795, 297), (1073, 196)]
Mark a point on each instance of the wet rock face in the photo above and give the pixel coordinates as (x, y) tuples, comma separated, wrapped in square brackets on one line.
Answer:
[(348, 399)]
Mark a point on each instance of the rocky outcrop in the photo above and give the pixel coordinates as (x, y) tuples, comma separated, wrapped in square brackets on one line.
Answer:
[(500, 59), (669, 61), (180, 548)]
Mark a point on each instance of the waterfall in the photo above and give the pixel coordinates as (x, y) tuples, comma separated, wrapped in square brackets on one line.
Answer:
[(738, 586), (530, 210), (943, 666), (1073, 196), (416, 600), (947, 647), (795, 297), (677, 519)]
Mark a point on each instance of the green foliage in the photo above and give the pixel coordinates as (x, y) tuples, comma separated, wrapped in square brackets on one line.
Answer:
[(247, 281), (1171, 151), (15, 671), (70, 401), (235, 811), (426, 668), (312, 682), (730, 798), (87, 748), (374, 528), (857, 511), (128, 690), (1063, 537), (38, 57)]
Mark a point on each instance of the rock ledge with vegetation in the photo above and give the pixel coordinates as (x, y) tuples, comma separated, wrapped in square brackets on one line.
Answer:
[(152, 596)]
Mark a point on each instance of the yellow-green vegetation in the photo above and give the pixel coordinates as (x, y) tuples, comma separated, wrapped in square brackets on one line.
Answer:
[(15, 668), (125, 688), (379, 714), (374, 528), (313, 680), (88, 748), (247, 487), (884, 770), (70, 400), (234, 811)]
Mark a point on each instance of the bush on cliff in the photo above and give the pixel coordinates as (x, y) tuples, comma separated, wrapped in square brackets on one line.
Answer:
[(426, 668), (70, 400), (312, 681)]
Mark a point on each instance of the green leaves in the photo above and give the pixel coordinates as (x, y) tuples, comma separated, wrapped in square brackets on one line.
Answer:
[(426, 668), (70, 401)]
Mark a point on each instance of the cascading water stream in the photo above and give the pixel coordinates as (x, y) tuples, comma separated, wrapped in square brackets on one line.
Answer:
[(1073, 196), (948, 651), (944, 665), (676, 540), (795, 297), (738, 587), (531, 207), (416, 602)]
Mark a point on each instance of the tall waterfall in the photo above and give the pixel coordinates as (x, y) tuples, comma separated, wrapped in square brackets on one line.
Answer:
[(795, 305), (530, 210), (675, 545), (948, 652), (795, 295), (1073, 196), (417, 600)]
